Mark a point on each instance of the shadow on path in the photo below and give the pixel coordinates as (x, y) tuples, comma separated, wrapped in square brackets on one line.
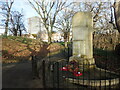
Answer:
[(19, 75)]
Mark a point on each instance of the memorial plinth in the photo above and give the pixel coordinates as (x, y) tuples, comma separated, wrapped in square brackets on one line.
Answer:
[(82, 39), (82, 28)]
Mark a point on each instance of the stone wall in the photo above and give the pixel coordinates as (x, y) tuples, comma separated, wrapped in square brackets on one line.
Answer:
[(106, 41)]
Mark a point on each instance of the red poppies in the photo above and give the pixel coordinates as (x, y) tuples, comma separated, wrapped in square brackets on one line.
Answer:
[(72, 67), (64, 69), (75, 72)]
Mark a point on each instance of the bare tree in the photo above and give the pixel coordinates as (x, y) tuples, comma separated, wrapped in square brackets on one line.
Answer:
[(17, 23), (64, 22), (48, 11), (6, 8), (99, 11)]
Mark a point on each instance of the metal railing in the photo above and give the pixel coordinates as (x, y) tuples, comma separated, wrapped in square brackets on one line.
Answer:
[(95, 78)]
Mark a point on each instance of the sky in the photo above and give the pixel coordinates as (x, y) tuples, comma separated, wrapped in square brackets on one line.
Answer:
[(28, 11)]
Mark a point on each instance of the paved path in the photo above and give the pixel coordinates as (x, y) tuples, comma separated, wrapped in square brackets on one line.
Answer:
[(19, 75)]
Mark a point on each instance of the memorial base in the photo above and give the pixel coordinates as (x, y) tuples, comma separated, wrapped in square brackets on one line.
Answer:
[(95, 77), (92, 75), (84, 63)]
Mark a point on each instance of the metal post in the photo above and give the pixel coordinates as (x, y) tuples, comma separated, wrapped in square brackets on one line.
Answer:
[(34, 67), (57, 74), (43, 72), (53, 74)]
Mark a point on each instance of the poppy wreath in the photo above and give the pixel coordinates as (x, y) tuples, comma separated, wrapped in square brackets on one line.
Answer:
[(72, 67)]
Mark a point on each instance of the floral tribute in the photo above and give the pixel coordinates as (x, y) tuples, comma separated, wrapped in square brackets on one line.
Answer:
[(72, 67)]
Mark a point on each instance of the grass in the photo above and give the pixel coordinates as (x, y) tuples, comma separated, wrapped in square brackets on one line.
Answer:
[(19, 39)]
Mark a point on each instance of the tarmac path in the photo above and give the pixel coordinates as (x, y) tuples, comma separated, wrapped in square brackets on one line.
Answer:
[(19, 75)]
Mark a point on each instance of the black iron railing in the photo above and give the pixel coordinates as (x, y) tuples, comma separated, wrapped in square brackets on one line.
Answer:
[(96, 78)]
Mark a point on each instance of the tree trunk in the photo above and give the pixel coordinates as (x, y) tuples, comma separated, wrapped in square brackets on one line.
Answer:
[(6, 29), (15, 32), (49, 38), (65, 37), (117, 14), (20, 32), (6, 25), (68, 36)]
